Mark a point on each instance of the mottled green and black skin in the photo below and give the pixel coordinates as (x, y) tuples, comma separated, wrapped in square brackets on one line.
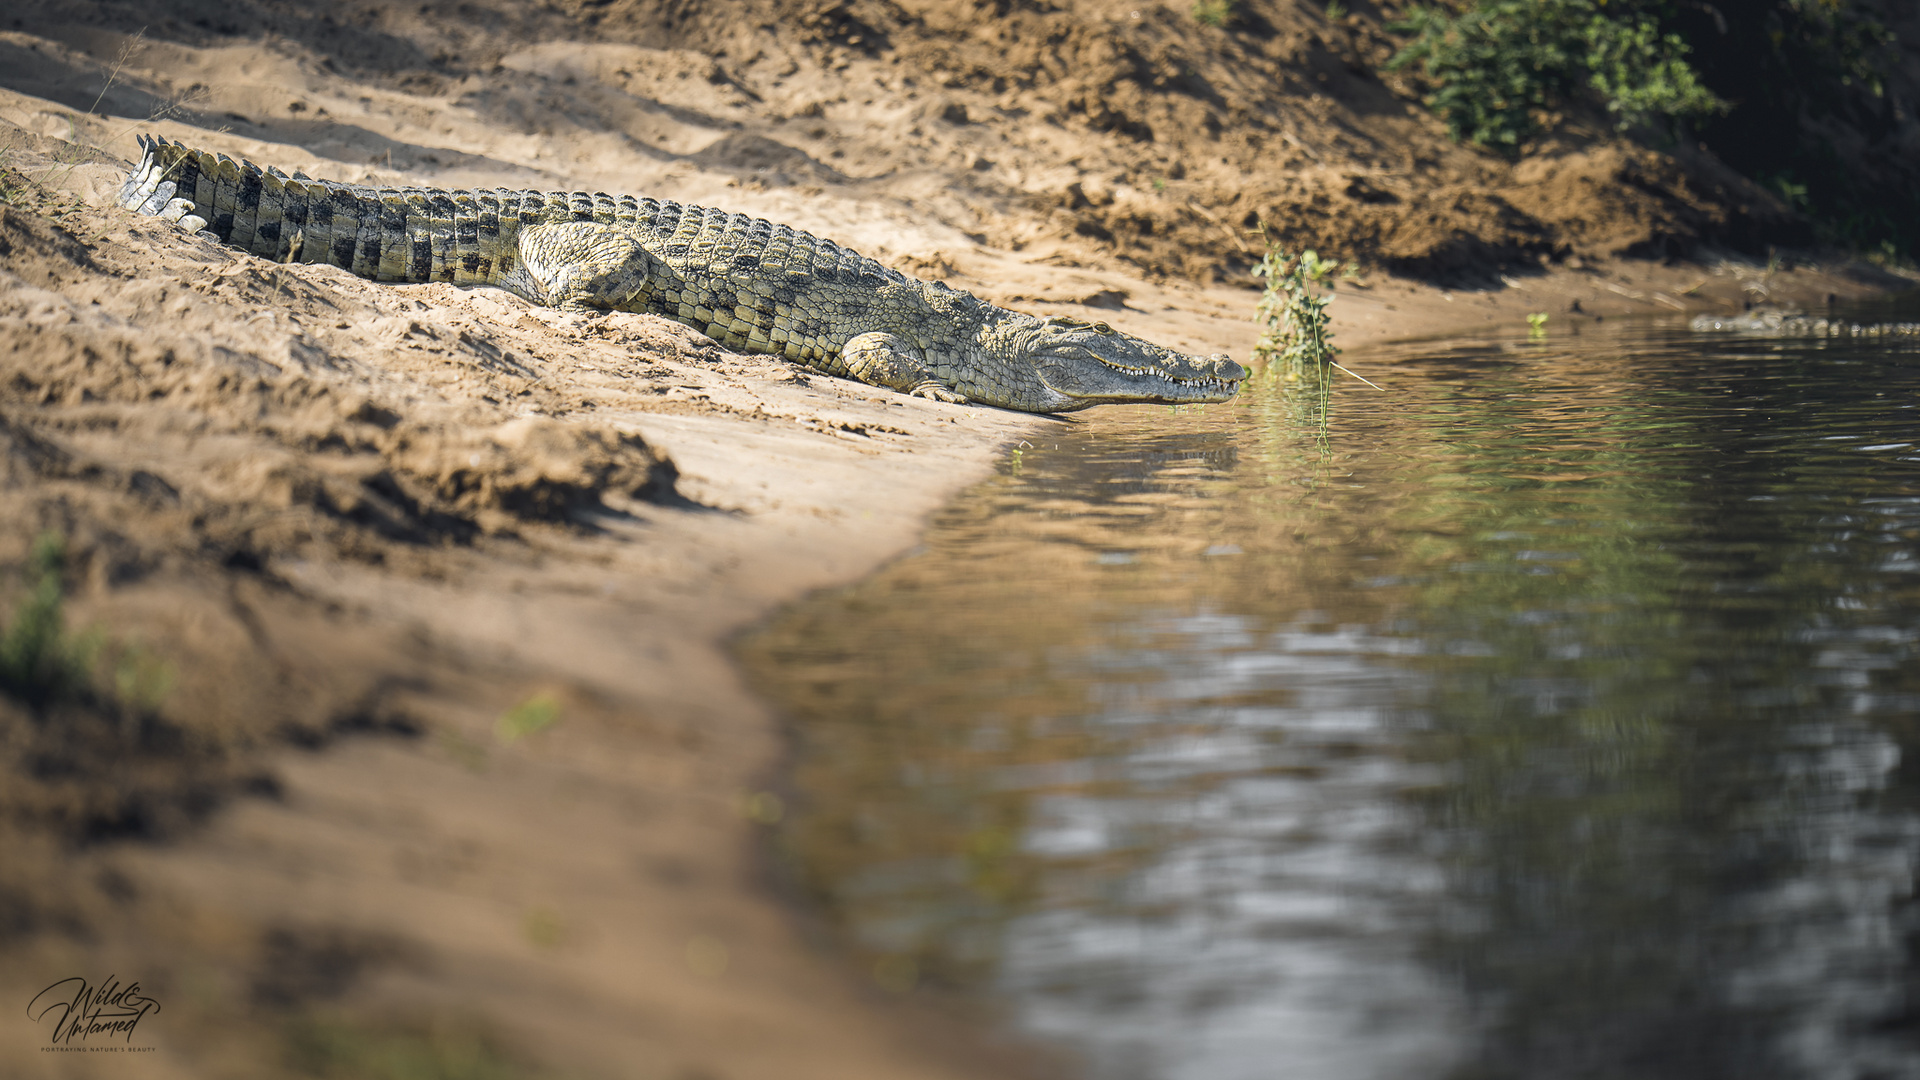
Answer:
[(748, 283)]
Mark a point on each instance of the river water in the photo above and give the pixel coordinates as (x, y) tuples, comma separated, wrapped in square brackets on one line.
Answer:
[(1553, 712)]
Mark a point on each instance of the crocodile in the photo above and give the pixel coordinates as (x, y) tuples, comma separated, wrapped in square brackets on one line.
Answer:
[(1776, 323), (750, 284)]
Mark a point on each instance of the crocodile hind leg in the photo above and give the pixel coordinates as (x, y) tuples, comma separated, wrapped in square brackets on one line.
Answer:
[(583, 267), (886, 360)]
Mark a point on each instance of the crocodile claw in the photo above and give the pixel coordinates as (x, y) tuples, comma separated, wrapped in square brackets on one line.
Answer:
[(938, 393)]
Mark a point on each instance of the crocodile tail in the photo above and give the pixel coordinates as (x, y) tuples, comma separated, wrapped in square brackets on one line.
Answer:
[(382, 233)]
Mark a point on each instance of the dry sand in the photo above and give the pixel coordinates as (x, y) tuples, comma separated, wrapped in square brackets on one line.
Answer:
[(371, 537)]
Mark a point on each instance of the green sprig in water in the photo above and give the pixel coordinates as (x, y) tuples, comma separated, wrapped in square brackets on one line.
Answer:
[(1295, 338)]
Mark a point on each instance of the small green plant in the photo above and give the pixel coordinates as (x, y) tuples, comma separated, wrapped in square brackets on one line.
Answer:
[(1215, 13), (42, 664), (1294, 337), (1794, 195), (537, 713), (1336, 11), (1502, 66), (39, 662), (1537, 325), (1887, 256)]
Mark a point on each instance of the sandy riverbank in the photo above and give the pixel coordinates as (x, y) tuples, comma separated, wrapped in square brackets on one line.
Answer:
[(450, 759), (368, 522)]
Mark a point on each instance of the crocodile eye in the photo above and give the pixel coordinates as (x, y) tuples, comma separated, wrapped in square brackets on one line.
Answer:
[(1102, 328)]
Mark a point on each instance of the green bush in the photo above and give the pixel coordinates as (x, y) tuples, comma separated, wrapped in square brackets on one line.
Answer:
[(1820, 115), (1499, 65), (1796, 94)]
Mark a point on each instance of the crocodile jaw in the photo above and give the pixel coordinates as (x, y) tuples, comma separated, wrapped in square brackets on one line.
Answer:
[(1114, 372), (1071, 364)]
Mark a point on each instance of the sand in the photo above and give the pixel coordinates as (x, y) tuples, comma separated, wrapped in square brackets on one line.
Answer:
[(429, 591)]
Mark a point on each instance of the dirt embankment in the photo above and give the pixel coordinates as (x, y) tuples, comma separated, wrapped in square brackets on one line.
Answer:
[(1076, 132), (407, 728)]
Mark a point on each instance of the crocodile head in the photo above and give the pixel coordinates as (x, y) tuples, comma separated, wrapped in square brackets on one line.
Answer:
[(1082, 364)]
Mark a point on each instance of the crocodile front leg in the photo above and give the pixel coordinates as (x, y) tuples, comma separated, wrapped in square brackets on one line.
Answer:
[(584, 266), (886, 360)]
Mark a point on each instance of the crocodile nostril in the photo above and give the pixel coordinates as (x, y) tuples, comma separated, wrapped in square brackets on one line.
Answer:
[(1228, 369)]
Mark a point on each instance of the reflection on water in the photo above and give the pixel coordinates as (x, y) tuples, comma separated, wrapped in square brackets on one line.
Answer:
[(1551, 714)]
